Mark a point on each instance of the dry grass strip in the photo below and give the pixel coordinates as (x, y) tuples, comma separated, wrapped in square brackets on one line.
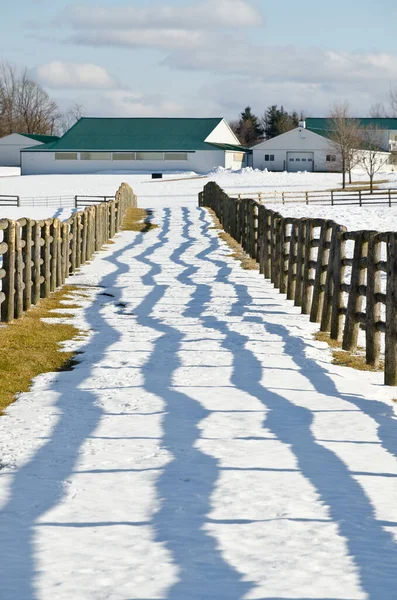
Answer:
[(30, 346), (138, 219), (354, 360), (247, 263)]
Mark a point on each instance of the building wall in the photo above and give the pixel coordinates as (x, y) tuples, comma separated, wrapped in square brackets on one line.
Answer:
[(297, 140), (37, 163), (235, 160), (10, 148), (222, 134)]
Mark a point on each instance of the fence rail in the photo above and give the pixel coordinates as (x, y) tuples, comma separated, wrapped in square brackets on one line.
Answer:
[(6, 200), (38, 256), (83, 201), (308, 260), (332, 197)]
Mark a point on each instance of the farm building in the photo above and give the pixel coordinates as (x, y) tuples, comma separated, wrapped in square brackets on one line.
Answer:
[(308, 147), (153, 145), (11, 146)]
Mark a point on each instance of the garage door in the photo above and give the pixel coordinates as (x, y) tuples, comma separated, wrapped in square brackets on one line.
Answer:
[(300, 161)]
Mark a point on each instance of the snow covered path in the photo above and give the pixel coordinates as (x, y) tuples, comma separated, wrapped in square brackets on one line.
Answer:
[(204, 448)]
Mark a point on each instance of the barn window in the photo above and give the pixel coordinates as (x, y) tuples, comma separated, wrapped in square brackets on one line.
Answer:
[(65, 155), (94, 155), (269, 157), (331, 158), (123, 156), (175, 156), (150, 155)]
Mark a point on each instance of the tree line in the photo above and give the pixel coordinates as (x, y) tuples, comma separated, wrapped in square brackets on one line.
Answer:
[(25, 107), (251, 129)]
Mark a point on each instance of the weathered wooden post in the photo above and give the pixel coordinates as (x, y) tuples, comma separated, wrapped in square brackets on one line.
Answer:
[(373, 309), (391, 313), (54, 253), (36, 271), (306, 286), (338, 277), (355, 302), (45, 288), (27, 261), (300, 258), (291, 283), (8, 283), (321, 272), (19, 268)]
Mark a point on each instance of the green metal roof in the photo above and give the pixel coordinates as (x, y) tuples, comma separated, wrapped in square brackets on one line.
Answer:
[(324, 126), (135, 134), (45, 139)]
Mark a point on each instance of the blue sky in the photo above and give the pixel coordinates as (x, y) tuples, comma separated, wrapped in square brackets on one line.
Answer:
[(205, 57)]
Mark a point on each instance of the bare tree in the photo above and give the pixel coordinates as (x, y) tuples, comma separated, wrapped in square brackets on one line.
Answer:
[(69, 118), (372, 157), (345, 138), (24, 105), (393, 101), (377, 111)]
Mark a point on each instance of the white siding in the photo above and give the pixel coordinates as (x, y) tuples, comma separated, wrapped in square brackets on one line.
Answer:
[(222, 134), (10, 148), (36, 163), (235, 160), (297, 140)]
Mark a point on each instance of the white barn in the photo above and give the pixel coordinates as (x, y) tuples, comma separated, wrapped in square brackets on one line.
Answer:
[(309, 148), (153, 145), (12, 144), (296, 150)]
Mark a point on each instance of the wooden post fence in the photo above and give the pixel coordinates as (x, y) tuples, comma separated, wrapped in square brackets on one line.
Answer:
[(36, 257), (307, 260)]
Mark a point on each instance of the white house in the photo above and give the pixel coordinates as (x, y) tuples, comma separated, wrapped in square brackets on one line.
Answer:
[(153, 145), (309, 148), (11, 146)]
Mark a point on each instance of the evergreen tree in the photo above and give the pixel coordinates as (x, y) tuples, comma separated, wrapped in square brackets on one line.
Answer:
[(277, 121), (248, 129)]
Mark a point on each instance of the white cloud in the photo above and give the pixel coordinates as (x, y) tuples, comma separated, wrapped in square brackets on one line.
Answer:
[(206, 14), (126, 103), (169, 39), (57, 74), (288, 63)]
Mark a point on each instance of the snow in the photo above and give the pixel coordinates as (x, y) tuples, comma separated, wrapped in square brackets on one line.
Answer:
[(10, 171), (176, 189), (204, 447)]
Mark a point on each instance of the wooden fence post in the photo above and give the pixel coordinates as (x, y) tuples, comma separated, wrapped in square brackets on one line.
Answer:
[(54, 254), (283, 256), (373, 311), (338, 276), (355, 302), (19, 268), (300, 257), (321, 273), (36, 271), (45, 288), (8, 282), (391, 313), (27, 260), (291, 284), (306, 285)]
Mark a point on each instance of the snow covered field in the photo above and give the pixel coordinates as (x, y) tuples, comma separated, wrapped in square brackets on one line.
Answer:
[(204, 447), (182, 190)]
